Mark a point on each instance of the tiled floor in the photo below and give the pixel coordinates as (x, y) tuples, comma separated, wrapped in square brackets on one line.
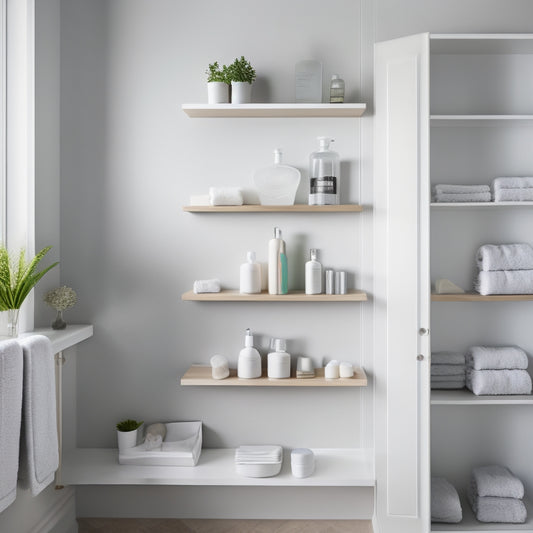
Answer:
[(148, 525)]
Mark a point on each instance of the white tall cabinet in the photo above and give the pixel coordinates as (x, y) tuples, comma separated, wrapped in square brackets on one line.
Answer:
[(448, 109)]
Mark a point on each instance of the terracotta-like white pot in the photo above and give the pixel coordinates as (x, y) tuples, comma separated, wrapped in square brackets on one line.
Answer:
[(127, 439), (241, 92), (217, 92)]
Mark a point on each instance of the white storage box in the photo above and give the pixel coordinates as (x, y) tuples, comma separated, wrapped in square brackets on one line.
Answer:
[(182, 447)]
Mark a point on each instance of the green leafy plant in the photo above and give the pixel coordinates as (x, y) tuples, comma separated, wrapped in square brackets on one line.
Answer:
[(129, 425), (17, 278), (216, 73), (241, 70)]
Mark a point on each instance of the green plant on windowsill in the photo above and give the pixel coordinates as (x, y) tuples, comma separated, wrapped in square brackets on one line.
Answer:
[(129, 425), (241, 70), (216, 73)]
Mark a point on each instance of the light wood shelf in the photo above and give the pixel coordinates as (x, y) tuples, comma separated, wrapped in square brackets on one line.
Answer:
[(465, 397), (475, 297), (334, 468), (200, 375), (233, 295), (297, 208), (273, 110)]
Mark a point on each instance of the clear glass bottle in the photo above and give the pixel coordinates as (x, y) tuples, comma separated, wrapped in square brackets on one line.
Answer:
[(324, 168), (336, 90)]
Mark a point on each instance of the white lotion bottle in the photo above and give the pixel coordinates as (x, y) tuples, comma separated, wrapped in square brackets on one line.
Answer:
[(313, 274), (279, 361), (249, 364), (250, 275), (277, 265)]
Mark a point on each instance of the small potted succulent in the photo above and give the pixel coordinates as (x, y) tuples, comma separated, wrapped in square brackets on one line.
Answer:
[(128, 431), (217, 84), (60, 299), (242, 75)]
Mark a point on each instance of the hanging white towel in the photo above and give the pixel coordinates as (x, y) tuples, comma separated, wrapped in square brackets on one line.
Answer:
[(505, 257), (10, 415), (39, 457), (496, 358), (505, 282)]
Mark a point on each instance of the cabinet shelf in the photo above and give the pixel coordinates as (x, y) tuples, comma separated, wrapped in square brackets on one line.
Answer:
[(233, 295), (273, 110), (334, 468), (201, 376), (465, 397), (470, 205), (476, 120), (475, 297), (297, 208)]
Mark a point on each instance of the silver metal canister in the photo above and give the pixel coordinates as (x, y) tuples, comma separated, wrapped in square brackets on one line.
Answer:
[(340, 283), (330, 282)]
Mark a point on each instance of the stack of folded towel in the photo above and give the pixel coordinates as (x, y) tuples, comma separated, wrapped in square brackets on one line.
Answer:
[(448, 370), (505, 269), (445, 503), (513, 189), (462, 193), (497, 370), (496, 495)]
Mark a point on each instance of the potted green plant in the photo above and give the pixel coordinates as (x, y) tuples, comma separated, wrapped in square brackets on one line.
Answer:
[(60, 299), (241, 75), (17, 279), (128, 431), (217, 84)]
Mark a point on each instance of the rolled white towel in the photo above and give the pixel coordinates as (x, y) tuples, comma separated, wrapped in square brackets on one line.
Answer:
[(504, 257), (513, 195), (496, 480), (463, 197), (512, 183), (206, 285), (460, 189), (225, 196), (447, 358), (505, 282), (496, 358), (445, 503), (498, 382), (447, 370)]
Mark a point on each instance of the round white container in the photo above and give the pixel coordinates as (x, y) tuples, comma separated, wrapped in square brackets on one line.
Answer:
[(302, 462), (217, 92)]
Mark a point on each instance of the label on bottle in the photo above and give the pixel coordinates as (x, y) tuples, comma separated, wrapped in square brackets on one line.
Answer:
[(324, 185)]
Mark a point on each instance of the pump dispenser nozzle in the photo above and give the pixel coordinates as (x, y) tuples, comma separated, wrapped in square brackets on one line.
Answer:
[(248, 338), (324, 142)]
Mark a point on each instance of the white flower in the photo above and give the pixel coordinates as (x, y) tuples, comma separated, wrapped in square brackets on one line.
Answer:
[(61, 298)]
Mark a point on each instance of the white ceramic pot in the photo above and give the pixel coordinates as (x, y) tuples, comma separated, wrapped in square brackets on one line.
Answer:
[(241, 92), (217, 92), (127, 439)]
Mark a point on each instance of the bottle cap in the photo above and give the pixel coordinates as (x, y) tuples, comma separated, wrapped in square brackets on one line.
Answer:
[(277, 233), (250, 257), (248, 339), (313, 254), (280, 345), (277, 156), (335, 77)]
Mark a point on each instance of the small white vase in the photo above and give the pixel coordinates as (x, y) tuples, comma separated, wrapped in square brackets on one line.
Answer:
[(241, 92), (217, 92), (127, 439)]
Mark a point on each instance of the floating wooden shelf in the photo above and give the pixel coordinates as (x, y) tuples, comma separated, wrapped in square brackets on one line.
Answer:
[(334, 468), (298, 208), (475, 297), (465, 397), (273, 110), (294, 296), (201, 376)]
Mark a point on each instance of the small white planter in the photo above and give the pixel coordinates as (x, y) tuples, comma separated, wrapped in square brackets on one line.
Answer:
[(128, 439), (241, 92), (217, 92)]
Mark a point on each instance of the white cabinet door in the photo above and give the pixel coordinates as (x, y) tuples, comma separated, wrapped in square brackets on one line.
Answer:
[(402, 285)]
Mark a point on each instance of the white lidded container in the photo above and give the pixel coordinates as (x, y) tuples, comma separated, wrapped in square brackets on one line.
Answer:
[(313, 274), (324, 171), (302, 462), (250, 275), (249, 363), (278, 183), (279, 361)]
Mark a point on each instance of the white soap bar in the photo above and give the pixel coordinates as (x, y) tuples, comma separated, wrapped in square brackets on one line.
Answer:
[(346, 370), (332, 370), (219, 367), (199, 199)]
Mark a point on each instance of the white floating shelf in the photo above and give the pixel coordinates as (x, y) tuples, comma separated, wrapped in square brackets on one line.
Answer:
[(273, 110), (296, 208), (465, 397), (233, 295), (99, 466), (64, 338), (495, 205)]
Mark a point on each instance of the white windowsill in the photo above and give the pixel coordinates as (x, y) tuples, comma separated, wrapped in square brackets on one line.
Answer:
[(63, 338)]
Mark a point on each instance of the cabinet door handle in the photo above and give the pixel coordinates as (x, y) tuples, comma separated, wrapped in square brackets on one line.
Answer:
[(419, 357), (423, 332)]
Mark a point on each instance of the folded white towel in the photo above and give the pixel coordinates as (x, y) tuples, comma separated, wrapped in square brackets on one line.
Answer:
[(39, 445), (505, 282), (449, 377), (206, 285), (513, 195), (460, 189), (445, 503), (512, 183), (225, 196), (502, 510), (447, 358), (491, 382), (463, 197), (447, 370), (10, 415), (496, 480), (449, 385), (504, 257), (496, 358)]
